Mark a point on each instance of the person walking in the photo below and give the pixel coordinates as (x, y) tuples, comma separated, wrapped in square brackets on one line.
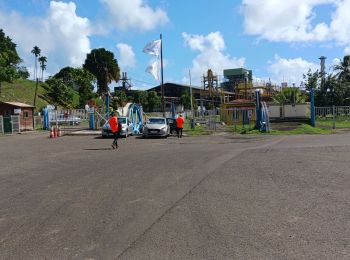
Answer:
[(113, 123), (179, 125)]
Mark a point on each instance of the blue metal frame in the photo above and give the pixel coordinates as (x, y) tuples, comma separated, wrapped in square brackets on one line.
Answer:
[(135, 117)]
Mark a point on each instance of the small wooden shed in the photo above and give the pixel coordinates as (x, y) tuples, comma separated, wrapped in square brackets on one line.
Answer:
[(25, 113)]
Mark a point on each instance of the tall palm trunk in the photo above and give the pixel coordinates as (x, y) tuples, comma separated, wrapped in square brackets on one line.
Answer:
[(34, 67)]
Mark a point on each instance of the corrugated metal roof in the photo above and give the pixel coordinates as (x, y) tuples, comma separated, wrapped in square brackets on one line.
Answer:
[(18, 104)]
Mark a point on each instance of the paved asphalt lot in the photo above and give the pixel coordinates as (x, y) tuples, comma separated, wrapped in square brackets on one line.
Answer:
[(210, 197)]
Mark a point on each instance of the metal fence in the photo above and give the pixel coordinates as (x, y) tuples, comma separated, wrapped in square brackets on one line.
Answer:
[(1, 125), (16, 124), (68, 120), (333, 117), (328, 112), (38, 122), (67, 117)]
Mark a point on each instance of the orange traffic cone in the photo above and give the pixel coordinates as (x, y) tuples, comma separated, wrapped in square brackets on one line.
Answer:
[(52, 135), (54, 132)]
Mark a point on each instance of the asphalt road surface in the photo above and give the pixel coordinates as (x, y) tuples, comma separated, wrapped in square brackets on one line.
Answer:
[(210, 197)]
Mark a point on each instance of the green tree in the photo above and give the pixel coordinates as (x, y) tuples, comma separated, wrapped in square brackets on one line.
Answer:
[(154, 101), (311, 80), (36, 51), (289, 95), (343, 69), (121, 98), (141, 97), (9, 59), (23, 72), (42, 61), (80, 80), (185, 100), (102, 64), (59, 93), (338, 92)]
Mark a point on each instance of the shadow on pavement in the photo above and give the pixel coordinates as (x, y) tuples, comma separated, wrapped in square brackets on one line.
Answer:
[(98, 149)]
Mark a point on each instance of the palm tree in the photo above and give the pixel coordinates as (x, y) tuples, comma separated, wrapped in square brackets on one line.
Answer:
[(36, 51), (102, 64), (343, 69), (289, 95), (42, 61)]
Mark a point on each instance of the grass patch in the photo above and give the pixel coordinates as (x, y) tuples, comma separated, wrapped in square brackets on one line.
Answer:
[(22, 91), (305, 129), (329, 123), (243, 129), (198, 129), (302, 129)]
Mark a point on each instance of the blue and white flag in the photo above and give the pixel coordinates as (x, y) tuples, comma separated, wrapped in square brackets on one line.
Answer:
[(153, 48)]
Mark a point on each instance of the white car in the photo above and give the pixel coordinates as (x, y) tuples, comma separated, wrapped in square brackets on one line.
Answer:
[(156, 126), (127, 127)]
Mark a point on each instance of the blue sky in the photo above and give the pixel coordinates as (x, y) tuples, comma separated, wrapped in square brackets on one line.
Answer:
[(280, 40)]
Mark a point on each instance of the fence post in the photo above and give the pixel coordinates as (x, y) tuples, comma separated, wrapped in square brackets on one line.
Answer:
[(312, 107), (1, 125), (333, 116), (92, 118)]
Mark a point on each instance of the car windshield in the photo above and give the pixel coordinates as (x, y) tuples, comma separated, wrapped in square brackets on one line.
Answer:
[(122, 120), (156, 121)]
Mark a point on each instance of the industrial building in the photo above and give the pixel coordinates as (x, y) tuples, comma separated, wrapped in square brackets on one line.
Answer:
[(174, 91)]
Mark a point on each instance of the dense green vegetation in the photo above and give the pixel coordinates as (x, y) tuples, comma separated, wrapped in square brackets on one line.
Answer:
[(9, 60), (102, 64), (23, 91), (290, 95), (334, 89)]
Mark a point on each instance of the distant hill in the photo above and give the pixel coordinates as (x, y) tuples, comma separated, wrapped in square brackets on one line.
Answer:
[(23, 91)]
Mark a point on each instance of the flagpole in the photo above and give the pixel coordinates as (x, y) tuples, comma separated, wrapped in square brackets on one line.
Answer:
[(161, 72)]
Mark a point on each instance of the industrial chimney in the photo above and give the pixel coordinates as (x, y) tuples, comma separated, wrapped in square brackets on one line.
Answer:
[(323, 67)]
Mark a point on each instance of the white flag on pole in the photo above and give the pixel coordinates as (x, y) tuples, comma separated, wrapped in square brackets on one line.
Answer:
[(153, 48), (153, 69)]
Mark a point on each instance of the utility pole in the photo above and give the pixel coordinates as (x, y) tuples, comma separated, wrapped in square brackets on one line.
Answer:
[(192, 119), (161, 65)]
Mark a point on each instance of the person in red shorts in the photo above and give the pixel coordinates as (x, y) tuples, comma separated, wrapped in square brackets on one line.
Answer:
[(113, 123), (179, 125)]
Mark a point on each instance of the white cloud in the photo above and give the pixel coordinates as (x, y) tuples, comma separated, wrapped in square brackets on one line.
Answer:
[(290, 70), (135, 14), (61, 35), (31, 73), (293, 21), (126, 56), (347, 50), (211, 55), (340, 25)]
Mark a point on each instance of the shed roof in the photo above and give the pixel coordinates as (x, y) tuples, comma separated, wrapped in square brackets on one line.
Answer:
[(18, 104)]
